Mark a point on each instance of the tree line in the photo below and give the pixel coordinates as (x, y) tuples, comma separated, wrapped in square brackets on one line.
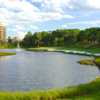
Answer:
[(62, 37)]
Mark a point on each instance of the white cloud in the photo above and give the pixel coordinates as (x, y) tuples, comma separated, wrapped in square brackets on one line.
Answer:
[(20, 35), (24, 15), (53, 16), (91, 23), (34, 27), (25, 11), (95, 22), (55, 5), (94, 3), (18, 5)]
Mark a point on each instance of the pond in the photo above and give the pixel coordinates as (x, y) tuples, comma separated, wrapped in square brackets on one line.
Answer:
[(42, 70)]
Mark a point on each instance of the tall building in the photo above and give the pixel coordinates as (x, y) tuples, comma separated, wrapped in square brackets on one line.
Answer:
[(2, 33)]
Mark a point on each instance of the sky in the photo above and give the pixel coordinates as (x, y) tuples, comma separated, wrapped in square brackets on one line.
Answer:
[(21, 16)]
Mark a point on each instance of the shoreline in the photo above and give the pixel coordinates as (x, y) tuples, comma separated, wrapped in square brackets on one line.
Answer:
[(83, 91), (87, 90), (76, 52)]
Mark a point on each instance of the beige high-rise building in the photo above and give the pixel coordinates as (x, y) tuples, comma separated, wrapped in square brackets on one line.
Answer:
[(2, 33)]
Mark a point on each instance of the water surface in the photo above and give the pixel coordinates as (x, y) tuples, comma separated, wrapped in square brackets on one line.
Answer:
[(43, 70)]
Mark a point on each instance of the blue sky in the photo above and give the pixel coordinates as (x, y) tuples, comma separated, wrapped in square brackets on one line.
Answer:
[(20, 16)]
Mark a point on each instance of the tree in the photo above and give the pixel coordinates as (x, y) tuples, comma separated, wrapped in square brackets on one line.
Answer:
[(28, 41), (63, 37)]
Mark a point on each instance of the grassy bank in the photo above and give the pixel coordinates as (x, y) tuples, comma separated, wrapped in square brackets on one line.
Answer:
[(69, 50), (87, 62), (95, 61), (90, 91), (91, 49), (7, 53), (81, 48), (98, 60)]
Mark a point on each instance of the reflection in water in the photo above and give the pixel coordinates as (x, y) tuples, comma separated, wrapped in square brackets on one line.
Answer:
[(4, 58), (18, 50), (36, 70)]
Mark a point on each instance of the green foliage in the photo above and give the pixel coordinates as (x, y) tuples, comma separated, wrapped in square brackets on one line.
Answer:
[(63, 37), (12, 42), (28, 40), (98, 59)]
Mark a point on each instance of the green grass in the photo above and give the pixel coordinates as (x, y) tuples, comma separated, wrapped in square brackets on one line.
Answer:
[(69, 50), (98, 60), (86, 62), (76, 48), (7, 53), (79, 48), (90, 91)]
